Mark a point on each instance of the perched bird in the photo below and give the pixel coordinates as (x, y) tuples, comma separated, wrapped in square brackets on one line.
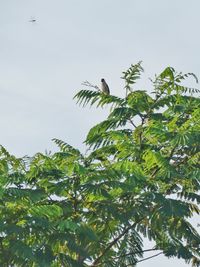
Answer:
[(104, 87)]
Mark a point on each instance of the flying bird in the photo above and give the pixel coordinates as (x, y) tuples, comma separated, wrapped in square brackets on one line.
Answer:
[(104, 87), (32, 20)]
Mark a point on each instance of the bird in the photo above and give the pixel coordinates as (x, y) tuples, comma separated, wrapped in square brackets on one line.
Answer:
[(32, 19), (104, 87)]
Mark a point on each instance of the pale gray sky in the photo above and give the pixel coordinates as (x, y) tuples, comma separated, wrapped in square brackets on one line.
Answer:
[(43, 64)]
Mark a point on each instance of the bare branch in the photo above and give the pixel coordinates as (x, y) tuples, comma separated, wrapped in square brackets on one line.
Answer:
[(131, 253), (150, 257), (131, 122), (86, 83)]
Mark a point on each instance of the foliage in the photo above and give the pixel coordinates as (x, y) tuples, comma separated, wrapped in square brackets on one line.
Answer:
[(140, 179)]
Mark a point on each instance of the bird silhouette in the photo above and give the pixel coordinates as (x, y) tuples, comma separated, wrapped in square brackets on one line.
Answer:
[(104, 87), (32, 19)]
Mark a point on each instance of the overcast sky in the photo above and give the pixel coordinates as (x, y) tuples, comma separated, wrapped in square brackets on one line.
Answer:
[(43, 64)]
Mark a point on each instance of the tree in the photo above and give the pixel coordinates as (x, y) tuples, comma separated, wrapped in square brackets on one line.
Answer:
[(140, 179)]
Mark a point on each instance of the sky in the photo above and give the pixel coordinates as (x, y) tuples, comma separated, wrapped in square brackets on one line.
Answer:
[(43, 64)]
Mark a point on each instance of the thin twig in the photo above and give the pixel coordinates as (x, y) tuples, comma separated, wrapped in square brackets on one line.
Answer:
[(132, 123), (86, 83), (131, 253), (145, 259)]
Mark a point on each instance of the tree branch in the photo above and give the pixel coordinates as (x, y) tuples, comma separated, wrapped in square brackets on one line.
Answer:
[(86, 83), (145, 259), (131, 122), (131, 253), (96, 262)]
